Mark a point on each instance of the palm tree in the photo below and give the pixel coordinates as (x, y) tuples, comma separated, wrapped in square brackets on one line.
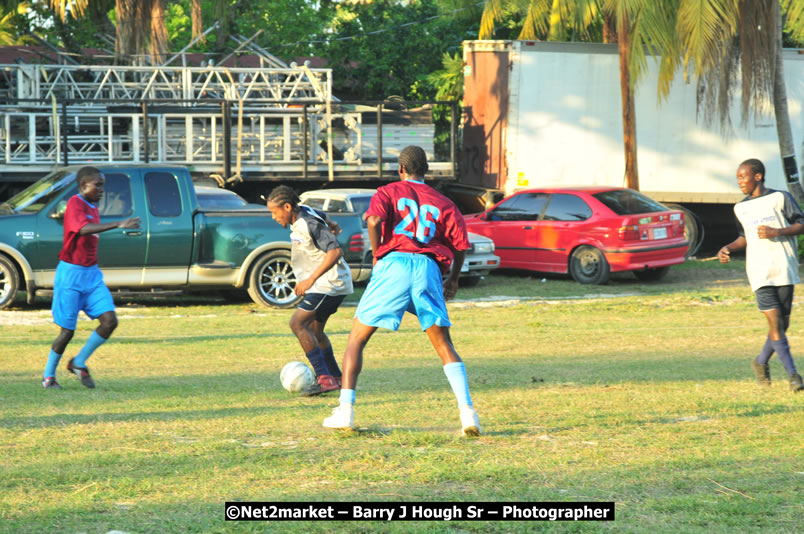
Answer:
[(8, 36), (717, 35)]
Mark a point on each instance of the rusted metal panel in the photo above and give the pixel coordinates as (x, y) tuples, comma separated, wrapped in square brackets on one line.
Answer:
[(485, 108)]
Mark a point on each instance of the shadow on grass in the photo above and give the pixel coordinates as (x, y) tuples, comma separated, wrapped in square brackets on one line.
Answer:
[(79, 340)]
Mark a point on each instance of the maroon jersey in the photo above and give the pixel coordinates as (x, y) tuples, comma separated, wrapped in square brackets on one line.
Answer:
[(417, 218), (79, 249)]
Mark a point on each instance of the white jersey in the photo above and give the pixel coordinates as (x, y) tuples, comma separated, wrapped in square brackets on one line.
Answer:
[(769, 262), (310, 240)]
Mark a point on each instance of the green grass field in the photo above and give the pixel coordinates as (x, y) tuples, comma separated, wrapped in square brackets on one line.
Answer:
[(635, 393)]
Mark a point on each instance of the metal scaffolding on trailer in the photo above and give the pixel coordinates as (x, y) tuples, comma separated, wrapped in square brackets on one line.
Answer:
[(284, 120)]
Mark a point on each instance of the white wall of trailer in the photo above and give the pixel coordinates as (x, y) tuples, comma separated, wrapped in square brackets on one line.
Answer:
[(565, 127)]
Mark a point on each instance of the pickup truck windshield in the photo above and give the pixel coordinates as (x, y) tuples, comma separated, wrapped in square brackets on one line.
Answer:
[(39, 195), (361, 204)]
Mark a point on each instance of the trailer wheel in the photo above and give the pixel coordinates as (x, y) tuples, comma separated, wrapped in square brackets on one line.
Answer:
[(589, 266), (271, 281), (9, 282), (652, 275), (693, 229)]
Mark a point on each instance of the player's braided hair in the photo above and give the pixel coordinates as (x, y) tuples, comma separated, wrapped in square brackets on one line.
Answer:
[(756, 166), (282, 195), (85, 173), (413, 160)]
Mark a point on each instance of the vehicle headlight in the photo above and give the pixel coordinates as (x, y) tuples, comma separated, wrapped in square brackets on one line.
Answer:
[(485, 247)]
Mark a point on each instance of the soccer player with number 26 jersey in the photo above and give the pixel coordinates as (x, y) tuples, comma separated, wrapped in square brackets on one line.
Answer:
[(416, 233)]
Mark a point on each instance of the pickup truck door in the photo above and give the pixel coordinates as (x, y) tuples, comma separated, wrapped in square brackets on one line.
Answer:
[(170, 227), (121, 253)]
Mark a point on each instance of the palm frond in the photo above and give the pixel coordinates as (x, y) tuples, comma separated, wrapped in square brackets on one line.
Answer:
[(492, 12), (793, 14), (76, 8), (705, 27), (536, 24)]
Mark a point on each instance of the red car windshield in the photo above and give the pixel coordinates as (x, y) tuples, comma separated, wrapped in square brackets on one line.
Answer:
[(629, 202)]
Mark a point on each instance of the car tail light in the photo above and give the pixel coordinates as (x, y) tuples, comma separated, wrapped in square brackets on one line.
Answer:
[(678, 223), (356, 243), (628, 232)]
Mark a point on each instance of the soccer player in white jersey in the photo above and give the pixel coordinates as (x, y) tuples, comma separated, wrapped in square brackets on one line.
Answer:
[(322, 277), (768, 222)]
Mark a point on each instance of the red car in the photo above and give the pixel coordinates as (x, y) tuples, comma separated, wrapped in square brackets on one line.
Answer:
[(589, 232)]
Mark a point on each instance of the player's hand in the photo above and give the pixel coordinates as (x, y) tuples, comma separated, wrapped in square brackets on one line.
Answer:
[(766, 232), (724, 255), (302, 286), (133, 222), (450, 288), (334, 227)]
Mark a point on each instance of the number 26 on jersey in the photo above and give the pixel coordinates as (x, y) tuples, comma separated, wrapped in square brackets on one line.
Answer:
[(419, 221)]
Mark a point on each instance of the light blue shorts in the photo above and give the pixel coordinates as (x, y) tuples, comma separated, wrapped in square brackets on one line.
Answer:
[(77, 288), (401, 282)]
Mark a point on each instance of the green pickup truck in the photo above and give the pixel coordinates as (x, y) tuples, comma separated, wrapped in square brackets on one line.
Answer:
[(195, 238)]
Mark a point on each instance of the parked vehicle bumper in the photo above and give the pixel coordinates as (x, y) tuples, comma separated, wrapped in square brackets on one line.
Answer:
[(479, 264), (646, 257), (361, 272)]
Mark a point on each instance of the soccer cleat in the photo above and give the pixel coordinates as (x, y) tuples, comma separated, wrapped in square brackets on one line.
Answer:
[(50, 383), (469, 421), (796, 383), (762, 373), (82, 373), (342, 417), (324, 384)]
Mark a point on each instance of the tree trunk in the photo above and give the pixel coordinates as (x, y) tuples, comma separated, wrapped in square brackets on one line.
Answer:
[(131, 31), (784, 130), (629, 114), (609, 28), (198, 24), (159, 43)]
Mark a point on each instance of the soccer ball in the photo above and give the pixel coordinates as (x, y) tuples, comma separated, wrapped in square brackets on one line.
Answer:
[(295, 376)]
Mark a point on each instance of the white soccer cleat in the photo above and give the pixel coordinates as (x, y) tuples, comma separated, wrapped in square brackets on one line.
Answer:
[(470, 421), (342, 417)]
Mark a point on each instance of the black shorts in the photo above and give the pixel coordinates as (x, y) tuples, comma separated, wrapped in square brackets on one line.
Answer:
[(775, 297), (323, 305)]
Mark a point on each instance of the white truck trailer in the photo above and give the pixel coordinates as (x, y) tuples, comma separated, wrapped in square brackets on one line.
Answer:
[(543, 113)]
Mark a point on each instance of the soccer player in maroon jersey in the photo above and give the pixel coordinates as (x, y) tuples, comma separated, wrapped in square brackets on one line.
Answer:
[(416, 233), (79, 282)]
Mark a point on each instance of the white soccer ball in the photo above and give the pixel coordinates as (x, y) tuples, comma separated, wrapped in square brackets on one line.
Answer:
[(296, 376)]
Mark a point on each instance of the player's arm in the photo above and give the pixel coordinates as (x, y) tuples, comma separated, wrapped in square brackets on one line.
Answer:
[(767, 232), (451, 283), (330, 259), (96, 228), (334, 227), (374, 223), (794, 216), (724, 254)]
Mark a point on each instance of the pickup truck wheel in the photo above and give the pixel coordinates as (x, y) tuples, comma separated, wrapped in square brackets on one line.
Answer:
[(271, 282), (589, 266), (9, 282)]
